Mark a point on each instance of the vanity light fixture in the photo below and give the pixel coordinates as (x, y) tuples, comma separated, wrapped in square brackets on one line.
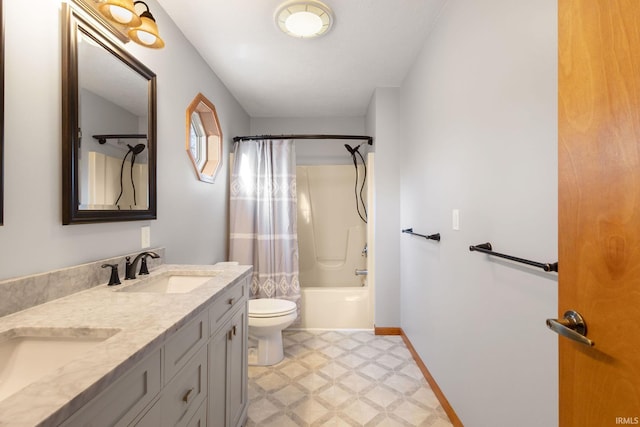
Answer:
[(146, 34), (304, 19), (122, 12), (142, 28)]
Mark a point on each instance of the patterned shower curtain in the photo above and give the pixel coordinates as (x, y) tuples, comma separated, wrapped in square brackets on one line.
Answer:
[(263, 228)]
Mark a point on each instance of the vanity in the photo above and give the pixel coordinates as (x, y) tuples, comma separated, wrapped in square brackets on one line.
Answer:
[(166, 349)]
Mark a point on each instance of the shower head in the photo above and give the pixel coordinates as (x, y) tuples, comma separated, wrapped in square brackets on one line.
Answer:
[(137, 149)]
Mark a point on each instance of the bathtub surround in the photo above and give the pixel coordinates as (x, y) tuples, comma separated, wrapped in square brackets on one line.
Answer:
[(331, 236), (28, 291)]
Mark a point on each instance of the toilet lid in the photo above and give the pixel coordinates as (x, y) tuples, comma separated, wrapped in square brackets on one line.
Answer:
[(270, 307)]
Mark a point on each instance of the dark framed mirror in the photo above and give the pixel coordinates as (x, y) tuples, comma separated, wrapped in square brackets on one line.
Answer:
[(108, 126)]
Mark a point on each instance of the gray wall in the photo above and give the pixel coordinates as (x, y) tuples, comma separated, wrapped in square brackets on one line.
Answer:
[(479, 124), (382, 123), (192, 216)]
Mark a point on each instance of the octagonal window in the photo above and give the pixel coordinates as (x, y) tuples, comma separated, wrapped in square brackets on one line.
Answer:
[(204, 138)]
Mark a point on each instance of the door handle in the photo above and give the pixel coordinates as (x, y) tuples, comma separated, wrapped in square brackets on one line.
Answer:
[(572, 326)]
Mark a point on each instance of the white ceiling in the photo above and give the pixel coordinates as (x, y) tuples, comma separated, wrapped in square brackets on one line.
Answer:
[(372, 44)]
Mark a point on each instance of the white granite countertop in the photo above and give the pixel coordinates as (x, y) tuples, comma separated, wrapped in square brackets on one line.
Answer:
[(143, 321)]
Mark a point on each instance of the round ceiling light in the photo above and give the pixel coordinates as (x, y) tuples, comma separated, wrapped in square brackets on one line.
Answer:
[(304, 19)]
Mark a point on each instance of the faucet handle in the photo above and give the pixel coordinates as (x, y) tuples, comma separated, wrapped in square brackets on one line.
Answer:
[(143, 266), (143, 261), (115, 278)]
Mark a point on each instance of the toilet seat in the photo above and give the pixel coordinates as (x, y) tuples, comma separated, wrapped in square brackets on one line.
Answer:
[(270, 307)]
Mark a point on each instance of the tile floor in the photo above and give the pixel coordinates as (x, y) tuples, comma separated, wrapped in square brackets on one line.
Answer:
[(336, 378)]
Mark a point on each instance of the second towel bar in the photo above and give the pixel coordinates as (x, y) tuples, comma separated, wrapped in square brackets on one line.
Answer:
[(487, 249), (435, 237)]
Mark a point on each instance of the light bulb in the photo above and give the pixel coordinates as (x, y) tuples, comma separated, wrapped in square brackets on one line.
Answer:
[(146, 38), (303, 24), (120, 14)]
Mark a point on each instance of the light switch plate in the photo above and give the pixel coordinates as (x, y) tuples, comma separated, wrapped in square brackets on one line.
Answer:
[(145, 236), (455, 219)]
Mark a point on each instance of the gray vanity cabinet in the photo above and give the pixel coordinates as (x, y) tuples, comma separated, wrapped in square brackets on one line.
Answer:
[(228, 397), (198, 377)]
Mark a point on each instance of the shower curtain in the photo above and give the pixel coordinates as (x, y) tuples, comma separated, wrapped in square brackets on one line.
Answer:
[(263, 209)]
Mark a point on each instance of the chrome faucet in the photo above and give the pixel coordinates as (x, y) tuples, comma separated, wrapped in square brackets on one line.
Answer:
[(130, 266)]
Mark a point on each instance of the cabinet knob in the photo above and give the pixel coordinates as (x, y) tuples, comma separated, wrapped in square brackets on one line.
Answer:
[(229, 335), (230, 301), (187, 396), (234, 330)]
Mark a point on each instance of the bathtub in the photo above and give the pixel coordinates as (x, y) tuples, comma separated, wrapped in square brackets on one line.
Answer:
[(336, 308)]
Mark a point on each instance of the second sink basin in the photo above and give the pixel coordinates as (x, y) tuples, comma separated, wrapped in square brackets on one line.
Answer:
[(171, 283), (28, 354)]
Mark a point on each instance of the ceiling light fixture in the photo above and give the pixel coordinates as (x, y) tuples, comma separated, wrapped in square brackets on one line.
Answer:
[(142, 28), (304, 19)]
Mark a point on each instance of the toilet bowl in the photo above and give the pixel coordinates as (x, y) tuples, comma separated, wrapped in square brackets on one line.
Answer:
[(267, 318)]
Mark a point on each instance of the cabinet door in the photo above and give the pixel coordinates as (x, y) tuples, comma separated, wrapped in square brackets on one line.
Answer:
[(237, 368), (217, 415), (124, 400)]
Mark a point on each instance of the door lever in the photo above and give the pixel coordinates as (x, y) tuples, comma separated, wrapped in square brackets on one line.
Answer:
[(572, 326)]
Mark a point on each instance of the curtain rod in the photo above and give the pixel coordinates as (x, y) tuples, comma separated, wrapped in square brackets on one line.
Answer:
[(255, 137)]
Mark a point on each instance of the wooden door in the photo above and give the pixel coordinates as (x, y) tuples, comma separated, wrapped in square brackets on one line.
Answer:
[(599, 209)]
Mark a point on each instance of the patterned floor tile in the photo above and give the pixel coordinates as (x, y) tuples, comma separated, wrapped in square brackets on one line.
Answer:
[(290, 395), (292, 369), (335, 396), (310, 411), (361, 412), (342, 379), (355, 382), (383, 396)]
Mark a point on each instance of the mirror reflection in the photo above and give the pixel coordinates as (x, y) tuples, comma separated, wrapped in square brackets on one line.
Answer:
[(108, 125), (113, 119)]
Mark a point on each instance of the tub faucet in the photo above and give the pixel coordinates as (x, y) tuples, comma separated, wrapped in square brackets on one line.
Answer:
[(130, 267)]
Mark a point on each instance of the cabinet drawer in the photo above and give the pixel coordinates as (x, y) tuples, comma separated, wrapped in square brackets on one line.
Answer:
[(123, 401), (184, 344), (183, 396), (229, 300), (152, 418), (200, 417)]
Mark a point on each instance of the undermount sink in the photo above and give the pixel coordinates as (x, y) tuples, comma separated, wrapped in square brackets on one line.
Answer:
[(171, 283), (29, 354)]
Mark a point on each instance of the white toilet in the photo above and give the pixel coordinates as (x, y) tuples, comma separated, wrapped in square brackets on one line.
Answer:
[(267, 318)]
